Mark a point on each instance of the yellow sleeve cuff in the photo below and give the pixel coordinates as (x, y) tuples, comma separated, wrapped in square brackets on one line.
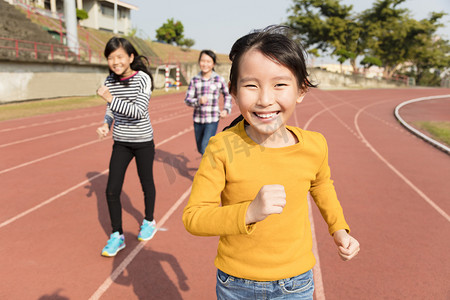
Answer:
[(245, 228)]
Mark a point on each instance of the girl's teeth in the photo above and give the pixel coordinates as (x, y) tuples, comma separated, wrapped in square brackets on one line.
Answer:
[(266, 116)]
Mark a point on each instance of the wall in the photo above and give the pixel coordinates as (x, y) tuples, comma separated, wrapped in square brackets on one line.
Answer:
[(193, 69), (189, 70), (27, 81), (21, 81), (325, 79), (330, 80)]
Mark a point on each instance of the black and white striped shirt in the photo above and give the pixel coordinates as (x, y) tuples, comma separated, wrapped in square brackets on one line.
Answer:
[(129, 108)]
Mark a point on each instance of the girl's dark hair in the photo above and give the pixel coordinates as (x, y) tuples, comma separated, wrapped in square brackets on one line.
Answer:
[(140, 62), (275, 43), (210, 53)]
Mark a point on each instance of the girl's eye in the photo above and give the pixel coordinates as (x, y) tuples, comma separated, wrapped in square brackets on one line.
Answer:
[(250, 85), (280, 84)]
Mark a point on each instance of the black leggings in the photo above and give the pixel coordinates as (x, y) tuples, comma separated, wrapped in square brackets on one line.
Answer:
[(121, 156)]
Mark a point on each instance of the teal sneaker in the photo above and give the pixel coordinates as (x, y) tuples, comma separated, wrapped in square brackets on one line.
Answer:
[(148, 230), (115, 243)]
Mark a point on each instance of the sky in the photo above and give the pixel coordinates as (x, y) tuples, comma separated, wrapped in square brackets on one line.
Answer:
[(216, 25)]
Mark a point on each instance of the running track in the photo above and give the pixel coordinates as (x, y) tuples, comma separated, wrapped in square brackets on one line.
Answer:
[(393, 186)]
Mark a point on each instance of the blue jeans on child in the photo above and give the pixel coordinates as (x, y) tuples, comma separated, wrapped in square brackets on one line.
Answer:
[(203, 132), (298, 287)]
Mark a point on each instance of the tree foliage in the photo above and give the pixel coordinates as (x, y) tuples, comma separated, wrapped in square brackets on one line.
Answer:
[(385, 35), (188, 43), (369, 61), (328, 26), (172, 32), (82, 14)]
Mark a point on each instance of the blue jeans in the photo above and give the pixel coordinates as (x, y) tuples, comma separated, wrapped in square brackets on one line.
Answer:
[(203, 132), (298, 287)]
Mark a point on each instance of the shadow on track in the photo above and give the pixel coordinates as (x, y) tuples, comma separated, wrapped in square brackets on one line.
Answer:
[(175, 164), (97, 186), (54, 296), (148, 277)]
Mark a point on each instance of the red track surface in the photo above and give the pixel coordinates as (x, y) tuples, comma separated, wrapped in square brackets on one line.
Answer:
[(53, 223)]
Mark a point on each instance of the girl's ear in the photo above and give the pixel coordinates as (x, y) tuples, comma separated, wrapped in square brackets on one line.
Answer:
[(131, 58), (301, 95)]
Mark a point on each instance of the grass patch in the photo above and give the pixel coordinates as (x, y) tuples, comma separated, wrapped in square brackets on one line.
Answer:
[(26, 109), (48, 106), (439, 131)]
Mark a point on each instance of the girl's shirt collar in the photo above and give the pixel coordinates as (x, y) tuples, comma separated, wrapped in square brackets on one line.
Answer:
[(126, 78), (213, 75), (296, 131)]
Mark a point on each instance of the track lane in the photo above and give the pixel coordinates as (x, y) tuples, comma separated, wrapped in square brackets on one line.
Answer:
[(387, 217), (373, 198), (167, 164)]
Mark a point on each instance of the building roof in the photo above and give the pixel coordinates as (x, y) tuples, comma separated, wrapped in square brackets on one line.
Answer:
[(123, 4)]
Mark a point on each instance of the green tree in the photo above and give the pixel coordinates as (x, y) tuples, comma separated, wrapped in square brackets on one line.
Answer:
[(386, 28), (188, 43), (82, 14), (328, 26), (385, 34), (431, 54), (369, 61), (171, 32), (399, 41), (344, 55)]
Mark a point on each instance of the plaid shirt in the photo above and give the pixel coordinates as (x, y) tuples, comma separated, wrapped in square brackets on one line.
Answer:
[(198, 87)]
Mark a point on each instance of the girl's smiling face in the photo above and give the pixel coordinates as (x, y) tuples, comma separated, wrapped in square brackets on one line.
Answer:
[(206, 64), (119, 62), (266, 94)]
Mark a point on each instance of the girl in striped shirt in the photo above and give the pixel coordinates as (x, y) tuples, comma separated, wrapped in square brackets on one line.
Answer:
[(127, 92)]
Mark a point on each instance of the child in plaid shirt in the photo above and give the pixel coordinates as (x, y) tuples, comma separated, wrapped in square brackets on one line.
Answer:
[(203, 94)]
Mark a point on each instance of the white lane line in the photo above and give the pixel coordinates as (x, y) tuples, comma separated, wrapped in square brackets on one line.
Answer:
[(170, 117), (117, 271), (50, 200), (397, 172), (51, 155), (73, 148), (49, 134), (319, 290), (48, 122)]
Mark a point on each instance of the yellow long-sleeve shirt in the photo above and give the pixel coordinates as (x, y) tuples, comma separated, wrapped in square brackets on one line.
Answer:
[(231, 173)]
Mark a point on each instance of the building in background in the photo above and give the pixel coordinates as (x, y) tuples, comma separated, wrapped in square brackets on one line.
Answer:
[(100, 12)]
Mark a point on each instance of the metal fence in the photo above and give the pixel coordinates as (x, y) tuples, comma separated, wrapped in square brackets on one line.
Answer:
[(44, 51)]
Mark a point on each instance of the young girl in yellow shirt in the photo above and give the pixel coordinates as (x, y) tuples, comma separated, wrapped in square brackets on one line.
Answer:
[(252, 184)]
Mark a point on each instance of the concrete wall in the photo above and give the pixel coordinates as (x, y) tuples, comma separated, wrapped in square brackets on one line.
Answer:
[(189, 70), (27, 81), (193, 69), (325, 79), (330, 80), (21, 81)]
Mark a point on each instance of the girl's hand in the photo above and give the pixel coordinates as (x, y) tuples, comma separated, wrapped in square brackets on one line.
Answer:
[(103, 92), (347, 245), (203, 100), (223, 113), (103, 131), (271, 199)]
